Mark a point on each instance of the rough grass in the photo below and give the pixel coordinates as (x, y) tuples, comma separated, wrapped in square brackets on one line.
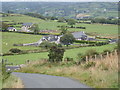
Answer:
[(72, 53), (13, 82), (103, 75)]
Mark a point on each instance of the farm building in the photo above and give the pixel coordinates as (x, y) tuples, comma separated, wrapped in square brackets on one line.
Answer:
[(82, 16), (54, 38), (11, 29), (80, 35), (26, 26)]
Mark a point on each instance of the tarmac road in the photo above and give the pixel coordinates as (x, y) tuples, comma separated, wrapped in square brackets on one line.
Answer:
[(47, 81)]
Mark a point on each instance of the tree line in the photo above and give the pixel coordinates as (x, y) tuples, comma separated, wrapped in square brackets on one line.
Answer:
[(105, 21)]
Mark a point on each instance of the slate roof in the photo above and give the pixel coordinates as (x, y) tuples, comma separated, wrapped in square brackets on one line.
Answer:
[(27, 24), (91, 39), (79, 34), (50, 38), (10, 27)]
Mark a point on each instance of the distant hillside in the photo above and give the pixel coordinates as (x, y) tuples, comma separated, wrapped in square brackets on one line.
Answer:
[(61, 9)]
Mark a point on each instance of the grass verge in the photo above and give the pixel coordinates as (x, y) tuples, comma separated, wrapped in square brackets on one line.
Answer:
[(97, 74), (13, 82)]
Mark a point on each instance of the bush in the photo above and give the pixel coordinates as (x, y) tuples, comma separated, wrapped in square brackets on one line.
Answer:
[(105, 52), (47, 44), (87, 42), (91, 52), (68, 59), (59, 45), (81, 57), (6, 54), (101, 43), (56, 54), (89, 64), (15, 50)]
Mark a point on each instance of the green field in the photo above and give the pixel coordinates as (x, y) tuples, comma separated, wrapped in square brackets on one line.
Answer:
[(20, 59), (52, 25), (9, 38)]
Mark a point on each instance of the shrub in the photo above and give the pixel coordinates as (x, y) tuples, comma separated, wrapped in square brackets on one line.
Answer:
[(68, 59), (91, 52), (105, 52), (83, 41), (89, 64), (47, 44), (59, 45), (56, 54), (81, 57), (15, 50)]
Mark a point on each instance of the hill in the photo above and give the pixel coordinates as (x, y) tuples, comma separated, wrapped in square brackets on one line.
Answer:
[(62, 9), (96, 29)]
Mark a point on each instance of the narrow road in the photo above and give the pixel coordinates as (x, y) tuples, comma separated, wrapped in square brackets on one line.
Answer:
[(47, 81)]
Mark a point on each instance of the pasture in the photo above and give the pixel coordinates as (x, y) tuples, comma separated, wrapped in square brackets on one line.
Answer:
[(103, 30), (10, 38), (72, 53)]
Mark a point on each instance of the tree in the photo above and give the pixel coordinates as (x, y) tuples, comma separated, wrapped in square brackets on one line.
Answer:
[(63, 29), (47, 44), (35, 28), (4, 26), (61, 19), (56, 54), (67, 39), (71, 22), (15, 50)]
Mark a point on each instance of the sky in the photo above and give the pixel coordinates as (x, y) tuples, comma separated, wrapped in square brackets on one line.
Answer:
[(62, 0)]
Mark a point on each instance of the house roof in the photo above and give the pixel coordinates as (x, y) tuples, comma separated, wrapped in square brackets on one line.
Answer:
[(10, 27), (82, 15), (51, 38), (90, 39), (79, 34), (27, 24)]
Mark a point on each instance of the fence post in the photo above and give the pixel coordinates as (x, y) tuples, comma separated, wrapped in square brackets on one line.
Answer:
[(115, 52), (95, 56), (107, 54), (111, 54), (86, 58), (101, 57)]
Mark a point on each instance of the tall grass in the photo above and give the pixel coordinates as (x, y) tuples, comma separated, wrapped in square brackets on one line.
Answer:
[(13, 82), (101, 74)]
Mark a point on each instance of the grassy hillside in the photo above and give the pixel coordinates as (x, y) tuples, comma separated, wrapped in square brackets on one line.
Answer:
[(9, 38), (52, 25), (72, 53)]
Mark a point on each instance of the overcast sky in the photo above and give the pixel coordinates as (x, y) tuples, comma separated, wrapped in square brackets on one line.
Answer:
[(63, 0)]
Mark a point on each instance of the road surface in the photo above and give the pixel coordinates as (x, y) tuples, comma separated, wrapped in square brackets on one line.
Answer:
[(47, 81)]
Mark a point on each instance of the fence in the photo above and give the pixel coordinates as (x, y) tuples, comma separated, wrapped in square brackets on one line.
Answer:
[(102, 56)]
